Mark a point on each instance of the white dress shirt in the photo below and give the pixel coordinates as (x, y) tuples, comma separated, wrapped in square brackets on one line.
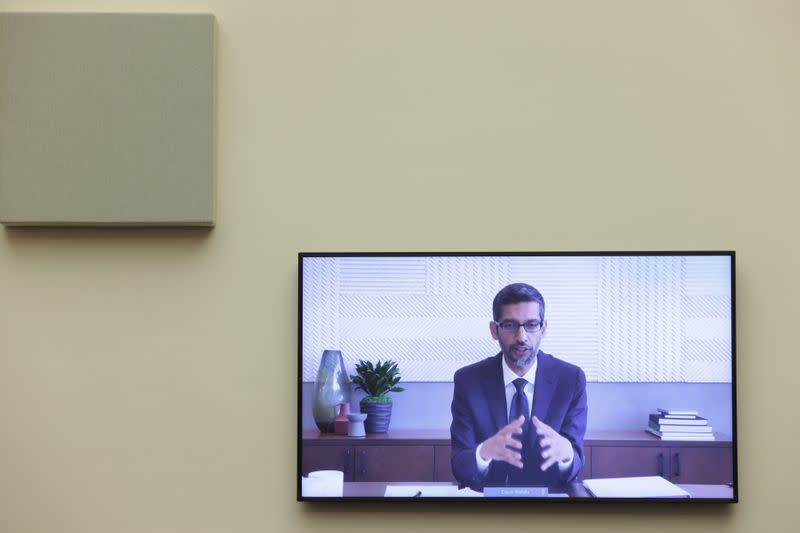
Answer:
[(508, 380)]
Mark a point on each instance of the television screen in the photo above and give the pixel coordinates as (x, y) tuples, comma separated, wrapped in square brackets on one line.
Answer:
[(566, 376)]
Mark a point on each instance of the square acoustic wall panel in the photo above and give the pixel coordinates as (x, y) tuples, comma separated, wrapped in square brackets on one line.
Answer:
[(106, 119)]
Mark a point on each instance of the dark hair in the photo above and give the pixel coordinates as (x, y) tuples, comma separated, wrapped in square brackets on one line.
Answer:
[(514, 294)]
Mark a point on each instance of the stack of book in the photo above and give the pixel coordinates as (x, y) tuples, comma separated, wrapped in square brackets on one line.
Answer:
[(679, 424)]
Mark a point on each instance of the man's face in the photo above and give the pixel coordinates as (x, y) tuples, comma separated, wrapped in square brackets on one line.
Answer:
[(519, 346)]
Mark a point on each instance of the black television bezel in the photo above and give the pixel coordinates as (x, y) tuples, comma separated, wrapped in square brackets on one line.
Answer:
[(591, 500)]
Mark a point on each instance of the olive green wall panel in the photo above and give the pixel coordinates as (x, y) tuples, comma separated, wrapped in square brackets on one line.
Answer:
[(106, 119)]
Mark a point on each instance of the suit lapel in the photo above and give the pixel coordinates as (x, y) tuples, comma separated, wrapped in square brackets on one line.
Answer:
[(544, 388), (496, 392)]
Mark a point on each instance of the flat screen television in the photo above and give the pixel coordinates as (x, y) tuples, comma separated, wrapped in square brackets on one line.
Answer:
[(547, 376)]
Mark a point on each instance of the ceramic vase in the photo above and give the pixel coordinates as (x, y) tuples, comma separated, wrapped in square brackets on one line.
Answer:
[(356, 425), (341, 422), (331, 388)]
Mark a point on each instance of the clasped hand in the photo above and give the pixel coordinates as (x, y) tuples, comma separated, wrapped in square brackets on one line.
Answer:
[(502, 446)]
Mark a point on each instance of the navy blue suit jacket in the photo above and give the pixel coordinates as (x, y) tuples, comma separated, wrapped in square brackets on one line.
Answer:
[(479, 411)]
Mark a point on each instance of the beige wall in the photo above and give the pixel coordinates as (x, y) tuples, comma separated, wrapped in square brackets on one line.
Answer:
[(147, 377)]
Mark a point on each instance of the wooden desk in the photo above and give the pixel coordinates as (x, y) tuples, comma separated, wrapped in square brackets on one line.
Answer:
[(366, 489), (424, 455)]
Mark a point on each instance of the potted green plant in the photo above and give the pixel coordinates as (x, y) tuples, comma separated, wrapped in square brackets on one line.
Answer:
[(376, 381)]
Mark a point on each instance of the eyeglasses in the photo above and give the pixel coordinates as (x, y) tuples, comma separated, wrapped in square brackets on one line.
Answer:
[(512, 326)]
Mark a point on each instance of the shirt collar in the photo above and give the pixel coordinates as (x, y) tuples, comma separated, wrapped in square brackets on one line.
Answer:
[(509, 375)]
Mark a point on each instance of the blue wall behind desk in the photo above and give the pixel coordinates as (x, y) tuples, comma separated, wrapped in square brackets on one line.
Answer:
[(611, 405)]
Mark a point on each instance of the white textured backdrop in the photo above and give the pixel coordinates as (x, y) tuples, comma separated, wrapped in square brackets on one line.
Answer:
[(620, 318)]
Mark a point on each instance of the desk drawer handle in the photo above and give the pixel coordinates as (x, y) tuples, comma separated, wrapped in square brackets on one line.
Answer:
[(677, 459), (362, 471), (346, 462), (661, 464)]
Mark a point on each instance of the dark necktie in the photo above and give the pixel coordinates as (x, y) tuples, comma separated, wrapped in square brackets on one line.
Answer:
[(520, 407)]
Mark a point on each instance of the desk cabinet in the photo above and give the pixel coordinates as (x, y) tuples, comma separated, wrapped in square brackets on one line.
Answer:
[(441, 464), (372, 463), (425, 456), (629, 461), (329, 458), (394, 463), (692, 464), (627, 453)]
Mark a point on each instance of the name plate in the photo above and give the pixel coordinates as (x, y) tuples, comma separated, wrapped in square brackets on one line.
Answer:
[(515, 492)]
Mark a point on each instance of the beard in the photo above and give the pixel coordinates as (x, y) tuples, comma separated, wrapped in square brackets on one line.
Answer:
[(520, 363)]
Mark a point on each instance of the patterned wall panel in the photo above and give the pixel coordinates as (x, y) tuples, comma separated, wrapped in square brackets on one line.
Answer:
[(569, 288), (468, 275), (411, 305), (623, 319), (439, 313), (421, 359), (320, 311), (706, 276), (382, 275), (639, 314), (706, 345), (706, 361)]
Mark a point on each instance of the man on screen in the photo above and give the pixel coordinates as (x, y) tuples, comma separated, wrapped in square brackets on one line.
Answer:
[(519, 417)]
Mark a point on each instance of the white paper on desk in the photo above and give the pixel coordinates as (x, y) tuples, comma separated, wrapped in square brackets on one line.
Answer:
[(634, 487), (430, 491)]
